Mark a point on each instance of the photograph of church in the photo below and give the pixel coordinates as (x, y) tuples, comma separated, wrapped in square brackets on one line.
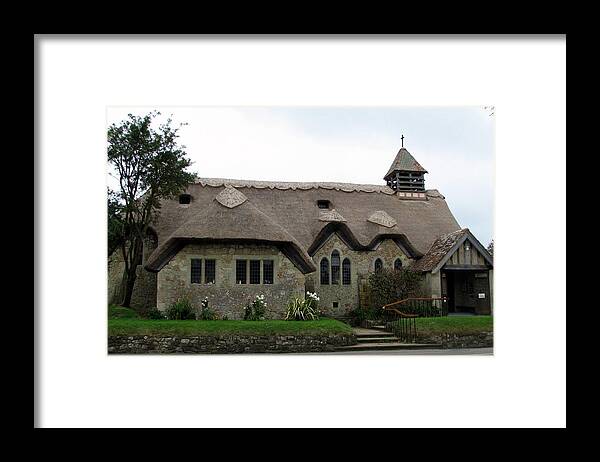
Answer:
[(229, 240)]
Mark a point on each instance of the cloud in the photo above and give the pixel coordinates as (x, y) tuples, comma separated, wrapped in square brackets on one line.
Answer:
[(288, 145)]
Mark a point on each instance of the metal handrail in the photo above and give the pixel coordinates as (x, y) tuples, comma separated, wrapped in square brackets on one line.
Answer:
[(443, 299), (425, 306), (404, 315), (403, 325)]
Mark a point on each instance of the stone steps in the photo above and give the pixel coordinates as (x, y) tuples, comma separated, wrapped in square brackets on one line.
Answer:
[(377, 339), (379, 346), (377, 334)]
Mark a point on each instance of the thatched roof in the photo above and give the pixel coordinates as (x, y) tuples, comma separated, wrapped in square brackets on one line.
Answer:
[(443, 248), (295, 185), (219, 222), (404, 162), (287, 213)]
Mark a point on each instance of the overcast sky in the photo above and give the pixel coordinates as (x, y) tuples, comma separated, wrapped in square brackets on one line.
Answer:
[(346, 144)]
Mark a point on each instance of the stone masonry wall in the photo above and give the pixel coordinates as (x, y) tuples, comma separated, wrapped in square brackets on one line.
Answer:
[(484, 339), (362, 263), (228, 344), (144, 290), (225, 296)]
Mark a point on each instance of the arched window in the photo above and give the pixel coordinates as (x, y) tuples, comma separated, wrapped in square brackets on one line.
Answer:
[(335, 267), (398, 264), (378, 264), (346, 273), (324, 271)]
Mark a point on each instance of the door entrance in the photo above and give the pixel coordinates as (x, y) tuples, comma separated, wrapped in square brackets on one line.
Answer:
[(467, 291)]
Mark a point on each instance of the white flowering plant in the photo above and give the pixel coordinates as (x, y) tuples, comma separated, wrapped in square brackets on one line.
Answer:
[(206, 314), (255, 311), (303, 309), (312, 298)]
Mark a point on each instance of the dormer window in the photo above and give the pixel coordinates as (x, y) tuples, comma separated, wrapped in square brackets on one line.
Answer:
[(323, 204), (185, 198)]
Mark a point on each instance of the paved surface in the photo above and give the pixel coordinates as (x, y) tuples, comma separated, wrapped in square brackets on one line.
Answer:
[(422, 352), (363, 331)]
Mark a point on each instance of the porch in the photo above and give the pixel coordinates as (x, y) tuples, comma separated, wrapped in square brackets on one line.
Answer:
[(467, 290)]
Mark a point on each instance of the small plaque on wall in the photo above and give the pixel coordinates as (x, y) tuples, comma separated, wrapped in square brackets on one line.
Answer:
[(481, 295)]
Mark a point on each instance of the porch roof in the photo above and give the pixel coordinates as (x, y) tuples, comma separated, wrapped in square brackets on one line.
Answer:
[(444, 246)]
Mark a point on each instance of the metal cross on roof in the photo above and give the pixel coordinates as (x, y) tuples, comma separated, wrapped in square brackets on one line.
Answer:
[(402, 138)]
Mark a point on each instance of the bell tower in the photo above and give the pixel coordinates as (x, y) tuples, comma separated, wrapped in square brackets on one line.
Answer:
[(405, 173)]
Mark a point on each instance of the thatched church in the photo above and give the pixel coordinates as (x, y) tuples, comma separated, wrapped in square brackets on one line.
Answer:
[(230, 240)]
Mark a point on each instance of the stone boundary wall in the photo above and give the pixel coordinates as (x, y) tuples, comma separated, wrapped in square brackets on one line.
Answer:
[(484, 339), (228, 344)]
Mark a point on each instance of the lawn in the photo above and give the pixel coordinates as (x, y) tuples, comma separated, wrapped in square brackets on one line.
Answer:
[(462, 325), (201, 328), (120, 312)]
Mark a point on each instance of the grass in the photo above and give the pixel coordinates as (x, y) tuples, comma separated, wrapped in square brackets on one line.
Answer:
[(120, 312), (202, 328), (466, 325)]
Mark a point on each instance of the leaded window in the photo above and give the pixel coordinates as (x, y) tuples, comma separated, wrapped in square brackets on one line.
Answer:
[(398, 264), (324, 271), (240, 271), (335, 267), (209, 271), (378, 264), (254, 271), (346, 273), (196, 271), (267, 271)]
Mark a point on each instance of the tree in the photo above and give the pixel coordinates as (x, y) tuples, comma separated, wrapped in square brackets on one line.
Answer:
[(150, 166), (390, 285), (114, 223), (490, 248)]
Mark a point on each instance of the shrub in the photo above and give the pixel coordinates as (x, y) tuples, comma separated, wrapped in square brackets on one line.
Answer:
[(387, 286), (303, 310), (181, 309), (155, 314), (255, 311), (206, 314), (358, 315), (120, 312)]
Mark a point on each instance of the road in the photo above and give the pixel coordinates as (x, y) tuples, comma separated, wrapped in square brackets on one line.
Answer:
[(423, 352)]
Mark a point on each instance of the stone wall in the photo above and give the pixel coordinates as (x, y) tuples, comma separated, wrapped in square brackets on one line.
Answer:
[(484, 339), (228, 344), (362, 263), (225, 296), (144, 290)]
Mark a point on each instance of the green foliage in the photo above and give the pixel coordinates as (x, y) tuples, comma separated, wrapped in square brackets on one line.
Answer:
[(150, 166), (119, 312), (180, 310), (255, 311), (358, 315), (299, 309), (206, 314), (387, 286), (155, 314)]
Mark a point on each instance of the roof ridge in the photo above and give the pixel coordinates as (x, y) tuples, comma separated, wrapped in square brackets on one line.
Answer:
[(234, 180), (302, 185)]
